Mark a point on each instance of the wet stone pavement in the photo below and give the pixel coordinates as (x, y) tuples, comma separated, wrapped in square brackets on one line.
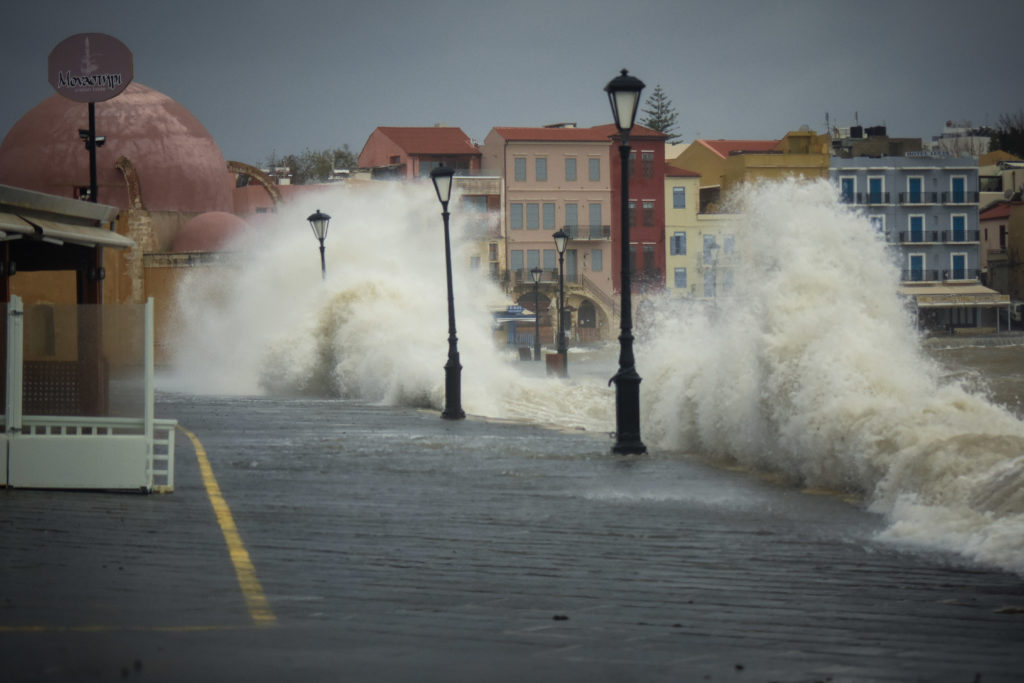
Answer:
[(389, 545)]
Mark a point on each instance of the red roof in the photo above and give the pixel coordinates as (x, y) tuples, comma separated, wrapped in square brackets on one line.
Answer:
[(609, 130), (540, 134), (1000, 210), (724, 148), (430, 139)]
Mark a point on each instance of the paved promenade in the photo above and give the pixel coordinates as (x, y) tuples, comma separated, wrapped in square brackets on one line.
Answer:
[(334, 541)]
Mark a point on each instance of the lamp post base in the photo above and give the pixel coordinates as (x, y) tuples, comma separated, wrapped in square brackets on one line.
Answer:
[(453, 389), (627, 413)]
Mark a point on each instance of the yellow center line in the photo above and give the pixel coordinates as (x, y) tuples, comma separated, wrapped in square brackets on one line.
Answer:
[(259, 608)]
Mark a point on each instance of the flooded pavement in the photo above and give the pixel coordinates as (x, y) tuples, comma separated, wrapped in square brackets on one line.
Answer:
[(388, 544)]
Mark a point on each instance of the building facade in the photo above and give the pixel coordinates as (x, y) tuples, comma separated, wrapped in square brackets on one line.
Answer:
[(557, 178), (926, 207), (646, 207)]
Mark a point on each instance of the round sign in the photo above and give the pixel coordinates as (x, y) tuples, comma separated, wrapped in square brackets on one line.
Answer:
[(90, 67)]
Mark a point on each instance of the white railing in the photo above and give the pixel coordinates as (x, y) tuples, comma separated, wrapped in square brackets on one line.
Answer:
[(90, 452)]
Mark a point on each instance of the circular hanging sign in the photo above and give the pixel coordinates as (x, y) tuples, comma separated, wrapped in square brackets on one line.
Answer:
[(90, 67)]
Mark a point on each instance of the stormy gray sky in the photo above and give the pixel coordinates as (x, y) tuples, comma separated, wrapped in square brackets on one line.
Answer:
[(267, 77)]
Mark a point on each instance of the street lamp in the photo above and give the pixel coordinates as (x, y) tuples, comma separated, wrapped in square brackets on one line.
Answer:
[(624, 97), (561, 239), (535, 273), (442, 178), (319, 222)]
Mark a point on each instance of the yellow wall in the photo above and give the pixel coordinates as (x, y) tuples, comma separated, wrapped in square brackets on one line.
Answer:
[(804, 154)]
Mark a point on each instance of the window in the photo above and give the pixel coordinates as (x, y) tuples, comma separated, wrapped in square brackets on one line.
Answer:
[(533, 216), (916, 264), (595, 215), (958, 263), (710, 248), (492, 252), (915, 184), (648, 265), (632, 213), (678, 197), (474, 203), (595, 168), (515, 216), (548, 214), (677, 247), (532, 259), (709, 283), (632, 164), (541, 166), (958, 189), (647, 159), (878, 223), (516, 260), (876, 190), (648, 205), (572, 215), (958, 223), (570, 168), (728, 244), (427, 166), (520, 169), (847, 189), (680, 278), (727, 281), (596, 260), (549, 260), (916, 227)]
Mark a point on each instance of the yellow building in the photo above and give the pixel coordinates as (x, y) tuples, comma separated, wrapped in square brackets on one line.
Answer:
[(724, 164)]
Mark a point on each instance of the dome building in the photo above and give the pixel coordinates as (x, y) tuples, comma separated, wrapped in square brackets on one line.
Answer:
[(157, 164)]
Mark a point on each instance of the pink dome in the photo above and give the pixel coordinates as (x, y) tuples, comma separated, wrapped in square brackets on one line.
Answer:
[(180, 167), (208, 232)]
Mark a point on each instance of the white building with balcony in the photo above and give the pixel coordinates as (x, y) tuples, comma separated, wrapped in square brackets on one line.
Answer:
[(926, 206)]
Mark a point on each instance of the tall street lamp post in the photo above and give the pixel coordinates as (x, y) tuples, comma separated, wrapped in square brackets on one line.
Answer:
[(561, 239), (319, 222), (535, 273), (442, 178), (624, 97)]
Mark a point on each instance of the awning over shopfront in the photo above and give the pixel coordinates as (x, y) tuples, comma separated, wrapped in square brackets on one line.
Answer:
[(955, 296), (14, 226), (57, 220)]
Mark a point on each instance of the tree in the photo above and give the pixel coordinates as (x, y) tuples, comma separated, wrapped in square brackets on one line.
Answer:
[(660, 114), (1009, 134), (315, 166)]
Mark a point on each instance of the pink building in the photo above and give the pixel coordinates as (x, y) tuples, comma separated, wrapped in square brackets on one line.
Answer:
[(411, 152), (557, 178)]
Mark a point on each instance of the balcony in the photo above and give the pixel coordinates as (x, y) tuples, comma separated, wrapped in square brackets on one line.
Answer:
[(588, 232), (959, 198), (919, 237), (961, 236), (916, 275), (932, 275), (521, 277), (919, 198), (869, 198)]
